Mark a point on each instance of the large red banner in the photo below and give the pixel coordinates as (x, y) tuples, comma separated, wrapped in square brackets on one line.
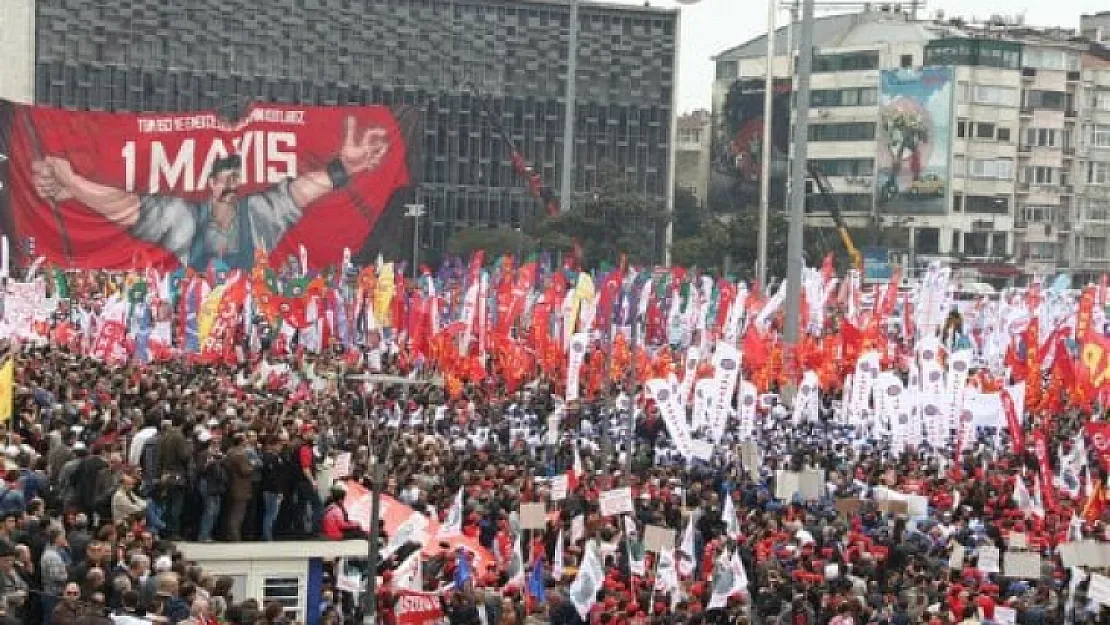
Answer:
[(417, 608), (117, 191)]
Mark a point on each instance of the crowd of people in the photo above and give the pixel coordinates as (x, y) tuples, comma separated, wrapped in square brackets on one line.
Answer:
[(107, 467)]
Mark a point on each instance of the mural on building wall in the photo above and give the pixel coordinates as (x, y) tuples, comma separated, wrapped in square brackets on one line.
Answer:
[(914, 137), (737, 151)]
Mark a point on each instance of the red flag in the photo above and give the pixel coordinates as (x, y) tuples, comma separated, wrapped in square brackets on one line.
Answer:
[(1012, 420)]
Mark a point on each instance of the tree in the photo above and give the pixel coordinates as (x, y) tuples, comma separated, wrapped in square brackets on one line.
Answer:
[(616, 220), (494, 241)]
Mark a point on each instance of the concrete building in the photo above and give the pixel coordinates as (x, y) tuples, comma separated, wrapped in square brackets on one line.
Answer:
[(692, 154), (151, 55), (986, 178), (1095, 26)]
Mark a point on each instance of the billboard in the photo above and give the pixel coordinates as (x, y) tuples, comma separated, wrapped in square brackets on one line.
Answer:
[(737, 152), (914, 140), (117, 191)]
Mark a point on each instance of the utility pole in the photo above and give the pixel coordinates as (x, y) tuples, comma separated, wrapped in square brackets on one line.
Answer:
[(765, 174), (416, 211), (566, 186), (798, 181)]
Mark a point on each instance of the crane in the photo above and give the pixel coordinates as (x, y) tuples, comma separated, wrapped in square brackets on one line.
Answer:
[(833, 206)]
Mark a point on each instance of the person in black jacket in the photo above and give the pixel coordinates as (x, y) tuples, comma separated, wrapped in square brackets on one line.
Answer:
[(273, 472)]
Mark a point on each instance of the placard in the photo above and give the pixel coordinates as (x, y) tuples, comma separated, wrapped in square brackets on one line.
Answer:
[(616, 501), (657, 539), (894, 507), (1018, 541), (342, 466), (559, 487), (786, 484), (956, 558), (1069, 555), (1099, 591), (533, 516), (848, 507), (1022, 565), (811, 484), (1005, 616), (917, 506), (988, 560)]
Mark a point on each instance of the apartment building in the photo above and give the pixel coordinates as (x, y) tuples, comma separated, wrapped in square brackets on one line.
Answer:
[(950, 141), (1092, 229)]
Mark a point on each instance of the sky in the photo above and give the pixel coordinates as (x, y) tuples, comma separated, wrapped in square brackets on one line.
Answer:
[(713, 26)]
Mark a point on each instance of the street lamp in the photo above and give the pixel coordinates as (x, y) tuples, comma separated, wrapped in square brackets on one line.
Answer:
[(416, 211)]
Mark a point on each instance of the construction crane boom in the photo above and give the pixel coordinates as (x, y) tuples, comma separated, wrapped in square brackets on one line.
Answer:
[(833, 206)]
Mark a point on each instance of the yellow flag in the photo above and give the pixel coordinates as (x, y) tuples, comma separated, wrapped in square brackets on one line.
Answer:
[(207, 315), (7, 382)]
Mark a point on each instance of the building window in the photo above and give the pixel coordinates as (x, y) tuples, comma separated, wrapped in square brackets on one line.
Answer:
[(1041, 137), (1097, 210), (984, 130), (286, 592), (987, 204), (1098, 173), (1041, 175), (1094, 247), (847, 62), (849, 131), (992, 169), (990, 94), (961, 129), (962, 91), (1058, 60), (1099, 137), (726, 70), (865, 96), (906, 61), (959, 165), (845, 167), (1039, 214), (1101, 100), (1052, 100), (927, 240), (1041, 251), (1004, 135)]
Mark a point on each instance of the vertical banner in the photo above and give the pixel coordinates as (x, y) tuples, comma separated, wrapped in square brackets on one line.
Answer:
[(726, 372), (574, 365), (913, 135), (1010, 397), (107, 191)]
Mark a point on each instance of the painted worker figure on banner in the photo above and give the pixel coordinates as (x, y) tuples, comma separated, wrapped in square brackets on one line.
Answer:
[(228, 226)]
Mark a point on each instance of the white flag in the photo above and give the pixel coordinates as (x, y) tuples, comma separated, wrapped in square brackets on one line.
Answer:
[(728, 517), (557, 566), (409, 575), (583, 592), (453, 525), (729, 578), (577, 529), (686, 564)]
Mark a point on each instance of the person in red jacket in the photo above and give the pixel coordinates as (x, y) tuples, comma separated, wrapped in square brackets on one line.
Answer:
[(335, 524)]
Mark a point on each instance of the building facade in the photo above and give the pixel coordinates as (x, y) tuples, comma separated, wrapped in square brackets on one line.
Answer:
[(691, 155), (150, 55), (953, 142)]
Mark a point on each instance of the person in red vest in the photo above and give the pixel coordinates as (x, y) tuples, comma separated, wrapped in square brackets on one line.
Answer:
[(336, 525)]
